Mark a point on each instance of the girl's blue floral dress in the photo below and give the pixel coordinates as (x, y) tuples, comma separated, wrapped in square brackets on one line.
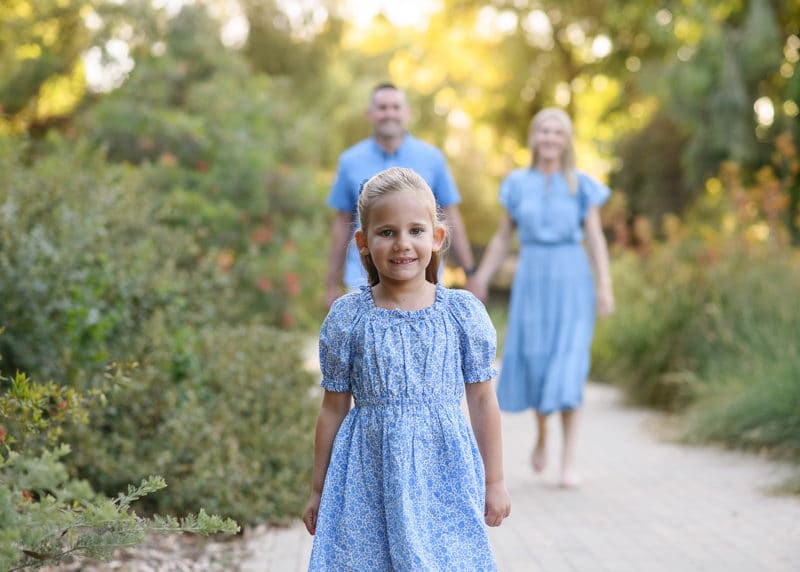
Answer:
[(404, 489)]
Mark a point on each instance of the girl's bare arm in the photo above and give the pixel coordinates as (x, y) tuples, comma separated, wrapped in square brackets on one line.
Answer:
[(334, 408), (484, 414)]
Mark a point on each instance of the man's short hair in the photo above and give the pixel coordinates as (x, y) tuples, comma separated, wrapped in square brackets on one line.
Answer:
[(384, 85)]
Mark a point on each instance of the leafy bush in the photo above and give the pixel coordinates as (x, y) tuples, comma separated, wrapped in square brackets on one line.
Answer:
[(224, 413), (648, 343), (81, 262), (232, 160), (90, 276), (706, 322), (45, 515)]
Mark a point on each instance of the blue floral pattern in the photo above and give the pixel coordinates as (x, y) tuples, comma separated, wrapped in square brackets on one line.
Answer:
[(405, 485)]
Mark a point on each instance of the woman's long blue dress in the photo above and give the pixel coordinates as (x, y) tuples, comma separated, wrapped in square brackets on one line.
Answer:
[(551, 318), (404, 489)]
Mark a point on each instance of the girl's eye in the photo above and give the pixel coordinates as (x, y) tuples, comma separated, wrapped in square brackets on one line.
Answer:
[(386, 232), (416, 231)]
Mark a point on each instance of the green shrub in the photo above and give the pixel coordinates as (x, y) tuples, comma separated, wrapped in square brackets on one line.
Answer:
[(758, 412), (647, 346), (45, 515), (82, 265), (90, 276), (233, 160), (706, 324), (752, 397), (224, 413)]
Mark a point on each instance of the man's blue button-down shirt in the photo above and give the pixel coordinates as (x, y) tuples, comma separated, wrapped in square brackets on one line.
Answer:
[(367, 158)]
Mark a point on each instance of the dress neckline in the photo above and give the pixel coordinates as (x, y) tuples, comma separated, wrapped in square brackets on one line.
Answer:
[(368, 299)]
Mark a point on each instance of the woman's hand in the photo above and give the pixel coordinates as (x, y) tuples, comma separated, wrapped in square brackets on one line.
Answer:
[(605, 301), (498, 504)]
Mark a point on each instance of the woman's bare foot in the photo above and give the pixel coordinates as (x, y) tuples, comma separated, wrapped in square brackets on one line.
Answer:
[(569, 480), (539, 458)]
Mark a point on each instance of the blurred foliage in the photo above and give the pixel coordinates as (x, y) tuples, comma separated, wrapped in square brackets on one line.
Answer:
[(82, 264), (49, 517), (233, 161), (90, 277), (476, 74), (705, 315), (223, 412), (41, 43)]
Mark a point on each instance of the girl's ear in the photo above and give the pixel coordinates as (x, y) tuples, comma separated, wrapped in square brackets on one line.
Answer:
[(361, 242), (439, 234)]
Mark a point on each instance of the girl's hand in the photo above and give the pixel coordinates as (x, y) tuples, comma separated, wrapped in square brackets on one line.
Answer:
[(498, 504), (310, 514)]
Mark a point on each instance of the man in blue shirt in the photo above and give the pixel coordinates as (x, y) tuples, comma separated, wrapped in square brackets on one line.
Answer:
[(389, 146)]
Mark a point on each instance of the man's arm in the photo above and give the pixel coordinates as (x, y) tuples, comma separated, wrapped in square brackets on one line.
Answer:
[(460, 242), (340, 236)]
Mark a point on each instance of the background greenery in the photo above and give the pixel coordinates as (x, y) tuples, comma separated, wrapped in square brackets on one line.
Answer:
[(162, 219)]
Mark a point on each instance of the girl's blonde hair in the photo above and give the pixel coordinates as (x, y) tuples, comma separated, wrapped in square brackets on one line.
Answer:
[(389, 181), (568, 157)]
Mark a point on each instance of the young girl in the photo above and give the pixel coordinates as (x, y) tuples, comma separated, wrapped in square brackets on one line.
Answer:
[(400, 482)]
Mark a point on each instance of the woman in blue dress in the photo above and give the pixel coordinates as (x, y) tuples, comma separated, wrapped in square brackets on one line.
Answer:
[(555, 294), (400, 481)]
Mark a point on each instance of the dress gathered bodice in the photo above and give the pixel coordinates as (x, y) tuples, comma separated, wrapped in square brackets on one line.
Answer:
[(405, 485)]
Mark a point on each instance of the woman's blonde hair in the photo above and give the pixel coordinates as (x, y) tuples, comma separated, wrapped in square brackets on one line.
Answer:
[(389, 181), (568, 157)]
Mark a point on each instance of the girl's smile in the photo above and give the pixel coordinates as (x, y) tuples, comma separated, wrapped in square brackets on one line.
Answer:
[(401, 237)]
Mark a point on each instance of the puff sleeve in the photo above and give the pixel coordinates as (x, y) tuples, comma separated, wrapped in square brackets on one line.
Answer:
[(477, 337), (335, 357), (592, 193), (508, 195)]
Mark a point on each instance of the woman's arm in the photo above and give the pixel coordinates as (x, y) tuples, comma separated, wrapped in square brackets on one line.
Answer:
[(484, 414), (496, 253), (334, 408), (598, 254)]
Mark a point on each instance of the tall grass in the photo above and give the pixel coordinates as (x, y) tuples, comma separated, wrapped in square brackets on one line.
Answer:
[(713, 333)]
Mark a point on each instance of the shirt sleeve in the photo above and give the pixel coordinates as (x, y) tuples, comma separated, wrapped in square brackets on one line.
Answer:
[(444, 187), (592, 193), (507, 196), (477, 337), (334, 349), (341, 195)]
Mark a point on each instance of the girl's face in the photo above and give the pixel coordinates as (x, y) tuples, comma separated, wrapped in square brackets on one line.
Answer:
[(400, 237), (549, 141)]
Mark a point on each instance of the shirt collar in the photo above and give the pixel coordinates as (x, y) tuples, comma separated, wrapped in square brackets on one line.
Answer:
[(378, 149)]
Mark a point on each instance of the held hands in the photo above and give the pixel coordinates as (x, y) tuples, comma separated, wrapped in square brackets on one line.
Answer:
[(311, 512), (478, 287), (332, 291), (498, 504)]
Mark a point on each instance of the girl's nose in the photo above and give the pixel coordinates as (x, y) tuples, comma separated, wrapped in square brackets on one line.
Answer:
[(401, 243)]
